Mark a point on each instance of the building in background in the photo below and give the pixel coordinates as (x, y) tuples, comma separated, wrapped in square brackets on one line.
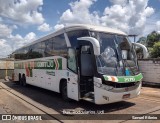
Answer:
[(6, 67)]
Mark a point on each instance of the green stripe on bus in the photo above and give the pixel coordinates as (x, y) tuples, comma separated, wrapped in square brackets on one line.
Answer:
[(60, 63), (125, 79), (48, 64)]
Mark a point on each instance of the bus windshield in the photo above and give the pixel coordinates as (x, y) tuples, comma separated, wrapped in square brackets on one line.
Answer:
[(117, 56)]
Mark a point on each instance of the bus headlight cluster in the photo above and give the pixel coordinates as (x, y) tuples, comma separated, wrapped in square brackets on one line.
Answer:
[(105, 87)]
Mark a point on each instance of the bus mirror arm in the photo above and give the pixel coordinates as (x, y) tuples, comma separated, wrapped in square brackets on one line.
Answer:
[(145, 51), (94, 42)]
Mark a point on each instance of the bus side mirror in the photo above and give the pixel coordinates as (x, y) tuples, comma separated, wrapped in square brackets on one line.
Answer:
[(124, 54), (95, 43), (145, 51)]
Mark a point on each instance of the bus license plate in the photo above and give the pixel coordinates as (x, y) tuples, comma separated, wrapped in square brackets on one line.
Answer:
[(126, 96)]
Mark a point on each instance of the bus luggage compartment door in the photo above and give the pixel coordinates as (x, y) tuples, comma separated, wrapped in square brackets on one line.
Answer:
[(72, 88)]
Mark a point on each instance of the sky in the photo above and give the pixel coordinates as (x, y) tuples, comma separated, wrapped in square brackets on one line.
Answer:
[(23, 21)]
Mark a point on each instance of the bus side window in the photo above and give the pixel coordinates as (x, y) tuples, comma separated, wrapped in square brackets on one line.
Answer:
[(37, 50), (29, 54), (48, 48), (43, 46), (34, 51), (55, 46), (21, 54), (60, 46)]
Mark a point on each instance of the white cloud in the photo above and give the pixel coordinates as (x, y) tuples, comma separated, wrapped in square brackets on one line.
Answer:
[(130, 18), (44, 27), (18, 12), (58, 26), (17, 41), (5, 48), (22, 11), (148, 11), (4, 31), (118, 2), (158, 25), (127, 15), (10, 42), (30, 37), (79, 13)]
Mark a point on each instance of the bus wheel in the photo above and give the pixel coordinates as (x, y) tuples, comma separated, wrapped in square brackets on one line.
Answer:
[(64, 91), (23, 80)]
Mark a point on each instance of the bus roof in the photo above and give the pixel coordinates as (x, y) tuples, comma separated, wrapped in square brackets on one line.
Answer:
[(94, 28), (76, 27)]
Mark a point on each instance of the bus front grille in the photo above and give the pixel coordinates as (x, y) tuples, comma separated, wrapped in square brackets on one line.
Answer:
[(120, 85)]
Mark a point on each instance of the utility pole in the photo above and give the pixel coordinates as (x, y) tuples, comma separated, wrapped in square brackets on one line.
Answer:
[(134, 36)]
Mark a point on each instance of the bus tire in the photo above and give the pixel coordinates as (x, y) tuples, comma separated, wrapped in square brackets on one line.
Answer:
[(64, 91), (23, 80)]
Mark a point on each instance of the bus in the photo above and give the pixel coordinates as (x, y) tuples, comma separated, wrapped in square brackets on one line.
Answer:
[(82, 62)]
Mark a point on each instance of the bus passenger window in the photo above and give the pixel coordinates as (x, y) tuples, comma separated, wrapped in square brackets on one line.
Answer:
[(35, 51), (48, 48), (60, 46)]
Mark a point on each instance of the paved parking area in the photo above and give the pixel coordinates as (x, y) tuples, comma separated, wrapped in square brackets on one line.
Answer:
[(33, 100)]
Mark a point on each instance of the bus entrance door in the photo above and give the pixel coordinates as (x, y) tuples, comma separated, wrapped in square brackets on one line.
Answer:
[(88, 47), (86, 71)]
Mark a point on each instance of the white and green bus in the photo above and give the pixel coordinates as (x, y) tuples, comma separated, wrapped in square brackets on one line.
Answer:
[(82, 62)]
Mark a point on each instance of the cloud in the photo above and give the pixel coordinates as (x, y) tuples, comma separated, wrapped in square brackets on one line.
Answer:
[(4, 31), (44, 27), (10, 42), (127, 15), (158, 25), (79, 13), (58, 26), (17, 41), (30, 36), (130, 18), (22, 11), (118, 2), (19, 12), (5, 48)]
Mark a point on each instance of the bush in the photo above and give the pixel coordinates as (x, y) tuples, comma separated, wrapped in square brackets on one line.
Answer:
[(155, 52)]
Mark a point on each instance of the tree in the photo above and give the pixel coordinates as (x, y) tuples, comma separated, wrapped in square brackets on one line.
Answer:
[(155, 52), (152, 38), (139, 52), (142, 40)]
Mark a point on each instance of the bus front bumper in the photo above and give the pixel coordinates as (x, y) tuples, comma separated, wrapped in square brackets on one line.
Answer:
[(110, 94)]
